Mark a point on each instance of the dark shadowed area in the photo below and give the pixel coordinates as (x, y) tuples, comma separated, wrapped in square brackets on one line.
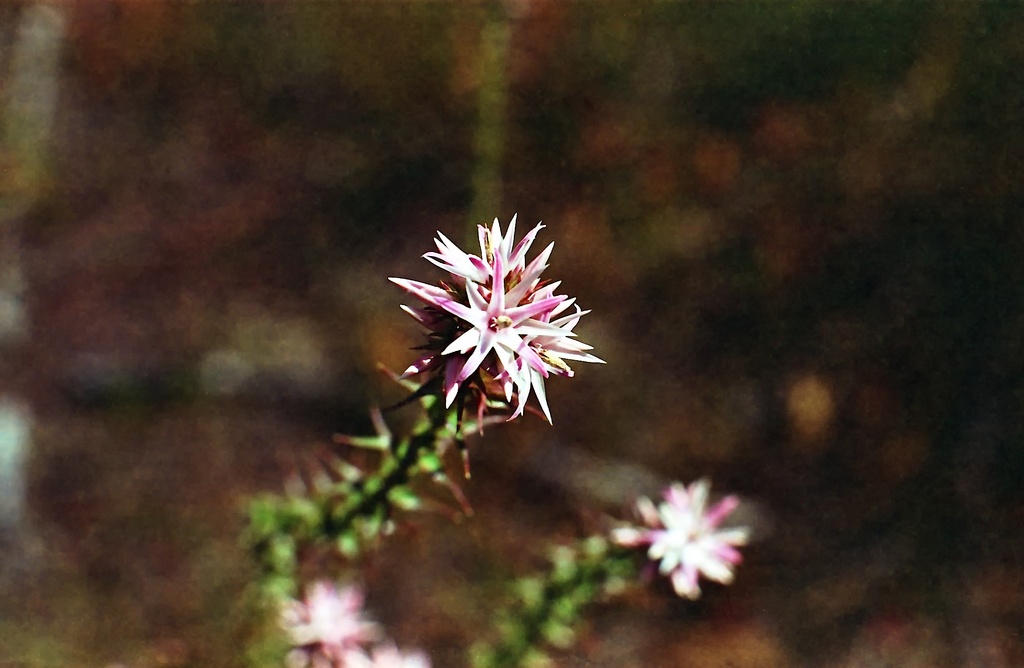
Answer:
[(799, 227)]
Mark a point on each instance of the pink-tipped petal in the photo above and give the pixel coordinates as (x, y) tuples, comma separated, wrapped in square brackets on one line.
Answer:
[(451, 382), (518, 256), (720, 510), (506, 240), (537, 381), (469, 340), (419, 366)]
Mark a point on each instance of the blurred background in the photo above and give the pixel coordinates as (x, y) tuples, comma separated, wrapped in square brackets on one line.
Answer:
[(799, 226)]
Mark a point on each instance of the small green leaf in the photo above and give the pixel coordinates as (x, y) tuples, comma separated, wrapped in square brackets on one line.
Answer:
[(279, 586), (262, 517), (558, 634), (372, 485), (536, 658), (405, 498), (582, 594), (370, 526), (429, 462), (509, 626), (564, 568), (304, 512), (531, 591), (565, 609), (348, 472), (348, 544), (368, 442), (595, 546), (615, 585), (451, 427), (281, 554)]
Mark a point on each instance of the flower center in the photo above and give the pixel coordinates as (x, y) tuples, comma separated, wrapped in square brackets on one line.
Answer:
[(500, 322)]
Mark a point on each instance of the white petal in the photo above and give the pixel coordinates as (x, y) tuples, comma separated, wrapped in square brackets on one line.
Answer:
[(517, 259), (685, 584), (627, 536), (736, 536), (537, 380), (716, 570), (506, 242), (464, 343), (647, 511)]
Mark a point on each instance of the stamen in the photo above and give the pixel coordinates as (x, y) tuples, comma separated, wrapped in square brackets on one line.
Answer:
[(500, 322), (555, 361), (488, 247)]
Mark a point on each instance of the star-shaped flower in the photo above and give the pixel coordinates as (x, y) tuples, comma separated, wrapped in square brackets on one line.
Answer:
[(327, 625), (496, 316), (686, 538)]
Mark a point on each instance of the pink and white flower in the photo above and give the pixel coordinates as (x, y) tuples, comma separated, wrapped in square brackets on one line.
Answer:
[(686, 538), (387, 656), (326, 626), (496, 316)]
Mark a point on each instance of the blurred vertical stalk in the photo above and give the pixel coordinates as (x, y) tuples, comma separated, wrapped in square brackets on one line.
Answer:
[(15, 422), (489, 139), (29, 103)]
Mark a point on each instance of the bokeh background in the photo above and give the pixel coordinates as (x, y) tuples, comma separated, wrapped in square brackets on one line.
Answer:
[(799, 226)]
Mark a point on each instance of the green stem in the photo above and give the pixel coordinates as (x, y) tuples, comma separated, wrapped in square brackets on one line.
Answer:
[(374, 490), (549, 607), (346, 513), (489, 138)]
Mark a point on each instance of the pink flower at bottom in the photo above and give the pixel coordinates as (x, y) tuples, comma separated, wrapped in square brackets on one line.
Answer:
[(685, 537), (387, 656), (327, 625)]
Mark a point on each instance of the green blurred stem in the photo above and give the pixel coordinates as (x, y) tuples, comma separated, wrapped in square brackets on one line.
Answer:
[(489, 138), (374, 490), (548, 608), (345, 514)]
